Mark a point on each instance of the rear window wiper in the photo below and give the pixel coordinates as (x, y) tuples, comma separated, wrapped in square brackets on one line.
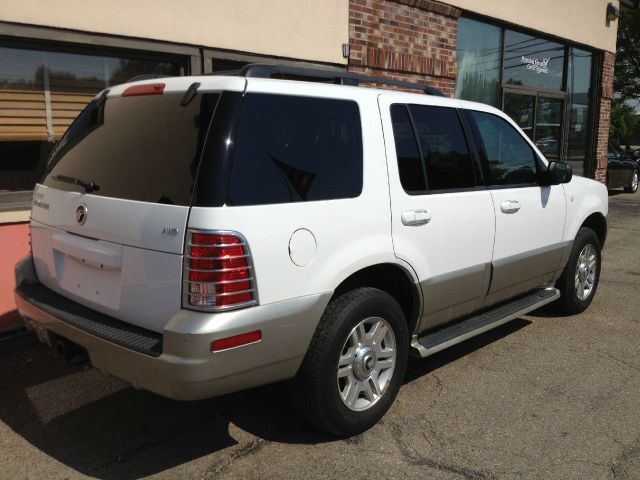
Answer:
[(88, 185)]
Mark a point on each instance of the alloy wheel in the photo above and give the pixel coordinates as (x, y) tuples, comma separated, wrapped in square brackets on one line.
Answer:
[(586, 271), (366, 363)]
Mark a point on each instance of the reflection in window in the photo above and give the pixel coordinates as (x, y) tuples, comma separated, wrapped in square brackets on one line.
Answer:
[(578, 84), (548, 126), (511, 159), (532, 61), (478, 51), (42, 92), (520, 108)]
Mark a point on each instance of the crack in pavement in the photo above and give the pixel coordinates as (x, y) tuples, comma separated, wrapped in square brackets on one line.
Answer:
[(239, 453), (412, 457), (622, 466)]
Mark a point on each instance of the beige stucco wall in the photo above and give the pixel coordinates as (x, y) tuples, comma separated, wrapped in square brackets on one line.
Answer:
[(582, 21), (303, 29)]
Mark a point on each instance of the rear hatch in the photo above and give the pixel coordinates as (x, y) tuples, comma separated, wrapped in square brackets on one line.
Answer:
[(109, 217)]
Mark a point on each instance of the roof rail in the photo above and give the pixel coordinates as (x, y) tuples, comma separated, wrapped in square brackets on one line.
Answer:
[(340, 77), (146, 76)]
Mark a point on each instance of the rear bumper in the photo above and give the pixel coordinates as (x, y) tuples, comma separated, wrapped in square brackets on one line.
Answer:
[(185, 369)]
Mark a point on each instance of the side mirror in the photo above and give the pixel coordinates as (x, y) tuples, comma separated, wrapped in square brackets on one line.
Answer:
[(559, 172)]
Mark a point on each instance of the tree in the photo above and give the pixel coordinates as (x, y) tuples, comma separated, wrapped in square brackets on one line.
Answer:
[(623, 122), (626, 82)]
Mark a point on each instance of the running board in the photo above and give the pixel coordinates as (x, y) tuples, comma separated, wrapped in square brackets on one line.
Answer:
[(459, 332)]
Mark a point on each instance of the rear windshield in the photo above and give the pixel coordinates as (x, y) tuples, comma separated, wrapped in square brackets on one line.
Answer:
[(144, 148)]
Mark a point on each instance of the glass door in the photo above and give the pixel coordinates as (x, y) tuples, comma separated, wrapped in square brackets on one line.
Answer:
[(521, 110), (548, 129), (540, 116)]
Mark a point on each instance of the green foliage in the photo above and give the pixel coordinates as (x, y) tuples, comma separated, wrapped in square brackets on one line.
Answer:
[(626, 82), (623, 121)]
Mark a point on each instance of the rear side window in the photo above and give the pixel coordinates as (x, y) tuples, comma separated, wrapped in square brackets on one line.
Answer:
[(445, 163), (447, 159), (296, 149), (144, 148), (510, 158)]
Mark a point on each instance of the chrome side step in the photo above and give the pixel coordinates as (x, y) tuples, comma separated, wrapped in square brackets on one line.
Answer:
[(459, 332)]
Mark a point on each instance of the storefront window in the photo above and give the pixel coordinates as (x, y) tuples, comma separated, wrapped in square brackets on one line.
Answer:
[(223, 65), (532, 62), (526, 78), (478, 56), (41, 92), (578, 84)]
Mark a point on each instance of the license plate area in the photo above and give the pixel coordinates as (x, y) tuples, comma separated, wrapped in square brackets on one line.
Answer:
[(89, 280)]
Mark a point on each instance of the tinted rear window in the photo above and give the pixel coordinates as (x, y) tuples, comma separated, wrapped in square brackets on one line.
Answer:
[(447, 158), (144, 148), (296, 149)]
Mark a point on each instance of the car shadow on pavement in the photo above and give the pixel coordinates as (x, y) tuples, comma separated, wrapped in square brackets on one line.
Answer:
[(102, 428), (119, 432)]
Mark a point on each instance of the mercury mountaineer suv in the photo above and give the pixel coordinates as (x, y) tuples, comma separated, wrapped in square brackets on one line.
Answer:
[(203, 235)]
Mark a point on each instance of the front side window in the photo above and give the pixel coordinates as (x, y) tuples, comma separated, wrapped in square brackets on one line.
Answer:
[(296, 149), (510, 158)]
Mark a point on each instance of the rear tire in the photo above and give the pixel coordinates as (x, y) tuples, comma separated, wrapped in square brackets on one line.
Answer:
[(579, 281), (633, 188), (355, 363)]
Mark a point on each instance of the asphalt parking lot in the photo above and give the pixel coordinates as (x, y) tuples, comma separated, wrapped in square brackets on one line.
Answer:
[(540, 398)]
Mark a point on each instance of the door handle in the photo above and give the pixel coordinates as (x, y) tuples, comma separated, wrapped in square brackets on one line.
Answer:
[(510, 206), (414, 218)]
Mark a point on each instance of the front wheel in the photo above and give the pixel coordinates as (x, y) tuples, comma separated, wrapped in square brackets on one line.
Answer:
[(355, 363), (633, 187), (579, 281)]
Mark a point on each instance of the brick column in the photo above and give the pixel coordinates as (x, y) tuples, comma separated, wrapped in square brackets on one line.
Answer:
[(412, 40), (604, 116)]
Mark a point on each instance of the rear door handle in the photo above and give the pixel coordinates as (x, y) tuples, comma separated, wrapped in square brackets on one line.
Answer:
[(510, 206), (414, 218)]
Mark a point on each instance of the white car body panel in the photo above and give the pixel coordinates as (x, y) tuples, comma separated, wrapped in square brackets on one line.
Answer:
[(585, 197)]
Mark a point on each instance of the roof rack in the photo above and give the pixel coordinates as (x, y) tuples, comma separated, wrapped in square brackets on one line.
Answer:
[(340, 77)]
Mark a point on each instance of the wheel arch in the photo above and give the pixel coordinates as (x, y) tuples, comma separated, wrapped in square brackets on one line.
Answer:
[(598, 223), (392, 278)]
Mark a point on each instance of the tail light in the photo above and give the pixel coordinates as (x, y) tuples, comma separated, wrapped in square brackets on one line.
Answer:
[(218, 272)]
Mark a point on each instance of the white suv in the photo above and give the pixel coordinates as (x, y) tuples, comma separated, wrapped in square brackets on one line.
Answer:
[(202, 235)]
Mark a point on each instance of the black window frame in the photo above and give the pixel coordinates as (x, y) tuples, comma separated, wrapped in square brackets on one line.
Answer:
[(479, 174), (538, 162)]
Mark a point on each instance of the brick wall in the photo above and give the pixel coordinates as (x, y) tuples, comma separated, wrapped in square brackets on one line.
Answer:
[(412, 40), (604, 115)]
